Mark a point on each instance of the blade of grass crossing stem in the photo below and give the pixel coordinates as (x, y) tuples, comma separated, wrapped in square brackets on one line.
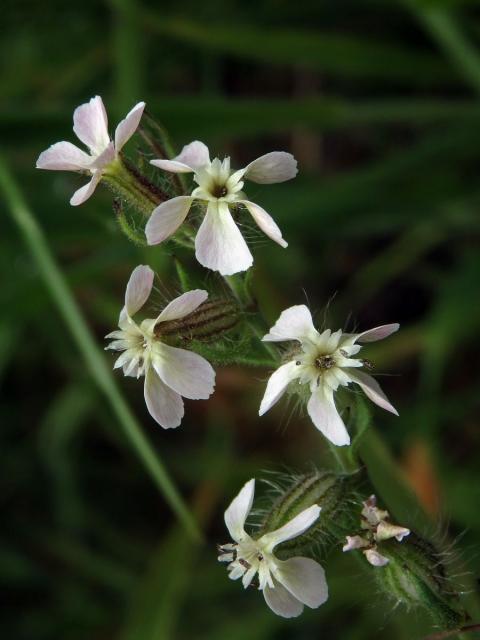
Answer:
[(68, 308)]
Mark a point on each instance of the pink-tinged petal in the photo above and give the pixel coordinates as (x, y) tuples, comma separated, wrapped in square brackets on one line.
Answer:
[(354, 542), (295, 323), (385, 531), (266, 223), (185, 372), (63, 156), (219, 245), (138, 289), (107, 156), (277, 385), (321, 409), (164, 404), (282, 602), (378, 333), (183, 305), (304, 579), (192, 157), (371, 389), (295, 527), (277, 166), (166, 219), (237, 512), (90, 125), (376, 559), (84, 193), (127, 127)]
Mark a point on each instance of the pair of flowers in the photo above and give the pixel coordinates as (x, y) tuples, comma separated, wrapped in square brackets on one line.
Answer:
[(219, 244), (319, 363)]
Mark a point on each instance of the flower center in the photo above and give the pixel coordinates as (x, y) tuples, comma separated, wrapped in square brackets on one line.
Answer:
[(325, 362), (219, 191)]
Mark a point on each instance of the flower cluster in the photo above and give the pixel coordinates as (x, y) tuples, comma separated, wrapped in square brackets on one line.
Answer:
[(162, 348), (376, 529)]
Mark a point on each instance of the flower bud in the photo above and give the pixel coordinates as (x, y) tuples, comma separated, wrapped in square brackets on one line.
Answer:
[(206, 324), (416, 576)]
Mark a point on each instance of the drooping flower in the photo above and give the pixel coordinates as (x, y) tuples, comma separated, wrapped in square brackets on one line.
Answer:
[(323, 361), (287, 585), (377, 528), (219, 245), (170, 372), (90, 124)]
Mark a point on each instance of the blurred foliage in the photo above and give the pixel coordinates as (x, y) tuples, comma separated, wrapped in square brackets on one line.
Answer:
[(379, 102)]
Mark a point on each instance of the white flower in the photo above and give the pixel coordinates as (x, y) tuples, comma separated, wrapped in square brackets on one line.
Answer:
[(90, 125), (287, 585), (323, 362), (219, 245), (170, 373), (377, 527)]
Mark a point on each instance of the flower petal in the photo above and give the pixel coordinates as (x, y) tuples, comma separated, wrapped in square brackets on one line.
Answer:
[(355, 542), (378, 333), (63, 156), (219, 245), (185, 372), (305, 580), (237, 512), (295, 527), (385, 531), (372, 389), (84, 193), (90, 125), (277, 166), (127, 127), (164, 404), (295, 323), (138, 289), (166, 219), (321, 409), (265, 221), (183, 305), (277, 384), (282, 602), (376, 559), (192, 157), (104, 158)]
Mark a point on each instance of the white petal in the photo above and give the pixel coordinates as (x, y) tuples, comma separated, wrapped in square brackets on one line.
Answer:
[(104, 158), (386, 531), (295, 527), (84, 193), (372, 389), (354, 542), (305, 579), (63, 156), (185, 372), (277, 166), (378, 333), (183, 305), (127, 127), (321, 409), (138, 288), (376, 559), (294, 323), (237, 512), (277, 384), (219, 245), (90, 124), (282, 602), (265, 221), (192, 157), (166, 219), (164, 404)]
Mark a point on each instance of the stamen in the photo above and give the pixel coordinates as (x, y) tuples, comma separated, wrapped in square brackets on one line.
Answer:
[(325, 362)]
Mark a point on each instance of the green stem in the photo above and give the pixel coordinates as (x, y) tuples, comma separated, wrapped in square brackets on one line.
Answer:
[(444, 29), (101, 373)]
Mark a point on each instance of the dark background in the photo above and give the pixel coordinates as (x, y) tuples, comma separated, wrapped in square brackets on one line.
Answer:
[(378, 100)]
